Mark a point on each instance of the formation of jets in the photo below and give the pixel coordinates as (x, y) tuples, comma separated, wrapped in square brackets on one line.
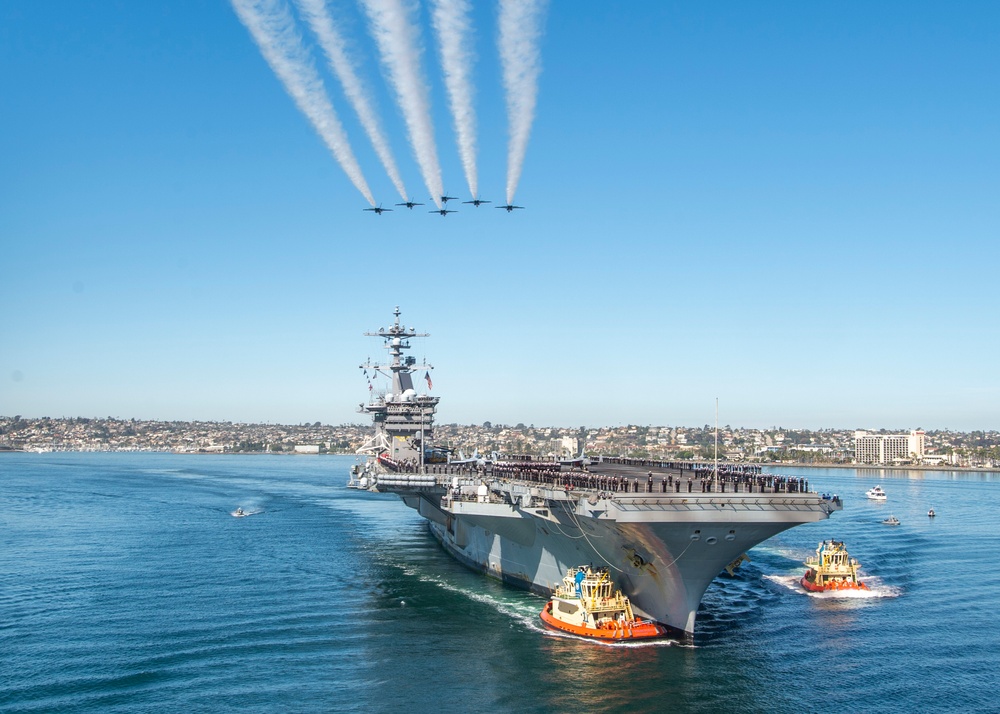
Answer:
[(477, 202)]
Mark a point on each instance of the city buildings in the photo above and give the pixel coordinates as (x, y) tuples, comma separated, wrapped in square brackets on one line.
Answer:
[(668, 443), (872, 448)]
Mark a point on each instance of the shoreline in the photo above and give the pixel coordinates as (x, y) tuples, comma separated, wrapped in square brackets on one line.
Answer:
[(877, 467), (773, 464)]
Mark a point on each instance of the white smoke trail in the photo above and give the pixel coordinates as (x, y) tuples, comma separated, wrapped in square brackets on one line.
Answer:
[(273, 29), (520, 30), (398, 43), (316, 14), (453, 26)]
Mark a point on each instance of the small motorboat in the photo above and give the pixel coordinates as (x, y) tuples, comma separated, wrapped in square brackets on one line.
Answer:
[(876, 494), (930, 513), (588, 605), (360, 477), (239, 513), (832, 569), (891, 521)]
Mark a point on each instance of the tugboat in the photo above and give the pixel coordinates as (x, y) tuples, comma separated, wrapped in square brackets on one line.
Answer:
[(832, 569), (586, 604), (876, 493)]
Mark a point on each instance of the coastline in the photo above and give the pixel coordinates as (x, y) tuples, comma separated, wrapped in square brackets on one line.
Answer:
[(877, 467), (771, 464)]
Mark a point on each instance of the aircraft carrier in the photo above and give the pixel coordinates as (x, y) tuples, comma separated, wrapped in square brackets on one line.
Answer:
[(664, 530)]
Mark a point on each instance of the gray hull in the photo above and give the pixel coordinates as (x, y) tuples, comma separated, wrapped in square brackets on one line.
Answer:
[(663, 552)]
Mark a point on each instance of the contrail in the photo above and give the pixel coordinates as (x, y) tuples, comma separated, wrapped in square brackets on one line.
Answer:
[(398, 43), (273, 29), (316, 14), (520, 30), (452, 24)]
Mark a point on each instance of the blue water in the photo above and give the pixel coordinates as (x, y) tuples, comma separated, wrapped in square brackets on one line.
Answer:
[(127, 585)]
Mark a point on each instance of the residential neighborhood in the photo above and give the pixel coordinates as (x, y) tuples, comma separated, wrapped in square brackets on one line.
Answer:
[(977, 449)]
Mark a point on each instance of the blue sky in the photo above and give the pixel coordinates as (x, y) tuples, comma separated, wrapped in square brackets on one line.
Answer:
[(792, 207)]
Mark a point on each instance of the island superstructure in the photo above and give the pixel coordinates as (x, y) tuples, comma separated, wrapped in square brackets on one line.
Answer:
[(664, 531)]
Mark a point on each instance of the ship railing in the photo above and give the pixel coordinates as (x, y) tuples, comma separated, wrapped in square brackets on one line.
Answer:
[(770, 503), (454, 470), (698, 482), (601, 489)]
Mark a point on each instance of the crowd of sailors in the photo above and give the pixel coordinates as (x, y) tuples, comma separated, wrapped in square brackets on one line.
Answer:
[(681, 477), (681, 465), (685, 481)]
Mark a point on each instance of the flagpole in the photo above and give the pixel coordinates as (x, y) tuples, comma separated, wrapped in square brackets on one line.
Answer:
[(716, 438)]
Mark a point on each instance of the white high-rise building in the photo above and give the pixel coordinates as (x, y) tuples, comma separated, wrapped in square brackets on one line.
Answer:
[(886, 448)]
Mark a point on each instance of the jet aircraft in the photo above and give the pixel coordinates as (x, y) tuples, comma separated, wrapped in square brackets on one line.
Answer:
[(576, 462), (445, 199), (475, 460), (442, 211), (409, 204), (378, 209), (509, 207), (477, 202)]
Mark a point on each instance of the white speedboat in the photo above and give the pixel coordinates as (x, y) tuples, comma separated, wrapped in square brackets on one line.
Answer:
[(875, 493), (891, 521)]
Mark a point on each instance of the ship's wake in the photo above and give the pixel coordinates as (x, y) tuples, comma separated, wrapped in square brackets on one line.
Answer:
[(876, 589), (526, 612), (523, 612), (623, 644)]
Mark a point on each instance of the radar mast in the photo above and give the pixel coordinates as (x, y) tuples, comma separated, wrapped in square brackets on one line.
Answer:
[(403, 419)]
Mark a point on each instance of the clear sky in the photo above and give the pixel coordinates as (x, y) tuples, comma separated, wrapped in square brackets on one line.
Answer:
[(793, 207)]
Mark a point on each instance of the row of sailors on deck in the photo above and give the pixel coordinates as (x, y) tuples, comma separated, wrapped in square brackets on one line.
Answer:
[(750, 469), (748, 483)]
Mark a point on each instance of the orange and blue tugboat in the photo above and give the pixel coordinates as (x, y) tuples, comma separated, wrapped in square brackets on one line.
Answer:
[(832, 569), (586, 604)]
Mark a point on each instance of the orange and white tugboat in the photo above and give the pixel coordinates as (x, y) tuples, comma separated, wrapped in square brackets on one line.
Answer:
[(588, 605), (832, 569)]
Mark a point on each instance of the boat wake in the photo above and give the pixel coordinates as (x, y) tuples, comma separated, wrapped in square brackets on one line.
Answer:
[(244, 512), (876, 589), (615, 644), (526, 614)]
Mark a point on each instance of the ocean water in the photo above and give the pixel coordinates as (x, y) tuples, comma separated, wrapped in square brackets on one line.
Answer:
[(126, 585)]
